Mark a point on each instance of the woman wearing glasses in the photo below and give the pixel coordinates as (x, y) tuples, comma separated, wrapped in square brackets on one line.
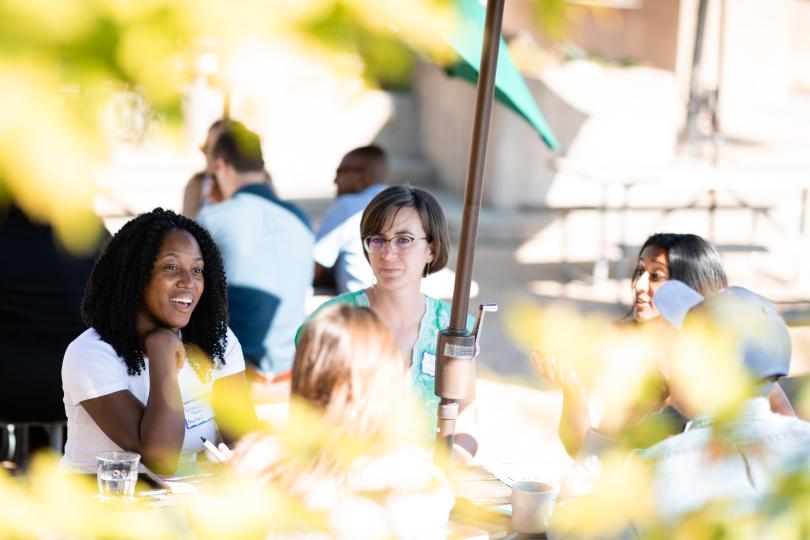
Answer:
[(404, 234)]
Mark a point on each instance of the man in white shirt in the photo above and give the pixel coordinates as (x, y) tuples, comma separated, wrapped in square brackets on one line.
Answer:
[(339, 259)]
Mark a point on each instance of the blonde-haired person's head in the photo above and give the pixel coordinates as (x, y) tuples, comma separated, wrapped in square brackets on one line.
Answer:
[(350, 397), (345, 452), (348, 367)]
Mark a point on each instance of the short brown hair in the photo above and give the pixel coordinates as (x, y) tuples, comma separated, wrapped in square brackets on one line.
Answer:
[(239, 147), (384, 207), (375, 162)]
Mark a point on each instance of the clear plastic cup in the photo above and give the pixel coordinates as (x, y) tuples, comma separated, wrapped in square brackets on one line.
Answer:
[(117, 474)]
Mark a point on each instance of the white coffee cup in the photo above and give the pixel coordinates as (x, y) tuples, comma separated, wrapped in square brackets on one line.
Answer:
[(532, 504)]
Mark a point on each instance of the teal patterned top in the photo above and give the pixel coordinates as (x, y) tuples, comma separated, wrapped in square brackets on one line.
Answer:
[(423, 359)]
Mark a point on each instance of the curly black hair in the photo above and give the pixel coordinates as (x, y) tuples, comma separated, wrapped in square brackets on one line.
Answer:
[(115, 290)]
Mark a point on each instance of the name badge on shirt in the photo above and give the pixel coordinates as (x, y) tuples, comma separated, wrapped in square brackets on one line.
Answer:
[(197, 411), (429, 364)]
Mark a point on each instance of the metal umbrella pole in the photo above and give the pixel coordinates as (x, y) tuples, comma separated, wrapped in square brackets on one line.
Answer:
[(456, 347)]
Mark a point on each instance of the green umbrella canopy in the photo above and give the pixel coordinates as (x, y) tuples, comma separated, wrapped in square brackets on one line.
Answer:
[(510, 88)]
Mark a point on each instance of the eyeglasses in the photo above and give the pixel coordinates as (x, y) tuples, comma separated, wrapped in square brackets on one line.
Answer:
[(399, 244)]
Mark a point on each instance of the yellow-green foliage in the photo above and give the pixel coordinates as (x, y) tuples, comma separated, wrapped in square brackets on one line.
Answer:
[(62, 61)]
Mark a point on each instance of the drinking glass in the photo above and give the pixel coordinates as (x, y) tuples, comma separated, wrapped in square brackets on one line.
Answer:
[(117, 474)]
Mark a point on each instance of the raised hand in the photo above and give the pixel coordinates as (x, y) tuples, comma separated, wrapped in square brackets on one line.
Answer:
[(575, 419), (558, 373)]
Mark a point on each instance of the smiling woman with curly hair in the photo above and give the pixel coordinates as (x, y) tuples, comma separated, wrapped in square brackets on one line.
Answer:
[(158, 354)]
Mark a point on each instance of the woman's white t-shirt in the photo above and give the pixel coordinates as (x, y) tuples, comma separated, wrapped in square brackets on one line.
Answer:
[(91, 368)]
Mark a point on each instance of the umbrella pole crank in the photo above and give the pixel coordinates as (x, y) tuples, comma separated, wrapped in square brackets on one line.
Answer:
[(456, 354), (454, 367)]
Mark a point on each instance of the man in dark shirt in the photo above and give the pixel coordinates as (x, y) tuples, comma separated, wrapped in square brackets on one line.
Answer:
[(41, 288)]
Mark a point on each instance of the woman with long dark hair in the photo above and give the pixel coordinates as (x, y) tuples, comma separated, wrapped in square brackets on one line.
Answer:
[(158, 355), (685, 257), (663, 256)]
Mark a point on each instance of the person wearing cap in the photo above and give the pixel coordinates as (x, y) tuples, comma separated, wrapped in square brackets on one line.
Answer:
[(663, 257), (758, 444)]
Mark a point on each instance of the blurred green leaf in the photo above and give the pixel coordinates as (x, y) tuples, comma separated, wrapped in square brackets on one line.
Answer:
[(551, 17), (63, 65)]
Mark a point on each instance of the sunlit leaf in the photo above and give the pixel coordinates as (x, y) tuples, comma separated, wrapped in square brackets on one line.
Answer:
[(63, 21), (620, 496), (701, 349), (59, 60)]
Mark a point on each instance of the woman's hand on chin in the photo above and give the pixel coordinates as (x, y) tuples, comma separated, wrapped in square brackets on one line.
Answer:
[(162, 345)]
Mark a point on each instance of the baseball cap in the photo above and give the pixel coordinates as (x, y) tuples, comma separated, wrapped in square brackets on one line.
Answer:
[(745, 316)]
